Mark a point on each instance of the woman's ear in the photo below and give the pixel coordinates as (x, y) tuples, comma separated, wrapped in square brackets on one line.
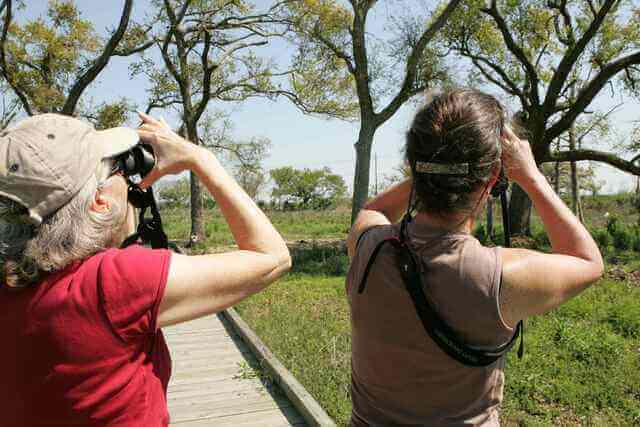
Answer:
[(101, 203)]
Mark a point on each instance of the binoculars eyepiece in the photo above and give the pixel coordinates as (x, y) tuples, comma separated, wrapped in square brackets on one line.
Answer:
[(137, 161)]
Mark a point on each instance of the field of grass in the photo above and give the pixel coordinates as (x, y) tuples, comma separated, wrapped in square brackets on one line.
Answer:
[(306, 225), (334, 224), (581, 363)]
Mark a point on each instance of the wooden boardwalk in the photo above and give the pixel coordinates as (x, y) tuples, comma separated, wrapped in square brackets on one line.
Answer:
[(214, 381)]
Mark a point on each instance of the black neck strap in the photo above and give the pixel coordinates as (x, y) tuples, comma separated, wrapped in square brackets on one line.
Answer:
[(440, 332), (149, 230)]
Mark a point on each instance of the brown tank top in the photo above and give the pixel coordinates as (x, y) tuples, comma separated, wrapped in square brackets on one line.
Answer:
[(399, 375)]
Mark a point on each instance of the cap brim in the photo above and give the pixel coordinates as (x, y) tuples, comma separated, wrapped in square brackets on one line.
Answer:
[(114, 141)]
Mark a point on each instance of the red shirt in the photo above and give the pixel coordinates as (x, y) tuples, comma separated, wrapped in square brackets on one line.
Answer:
[(83, 346)]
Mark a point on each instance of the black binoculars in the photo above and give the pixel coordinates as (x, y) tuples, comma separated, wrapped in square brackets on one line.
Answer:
[(501, 185), (137, 161)]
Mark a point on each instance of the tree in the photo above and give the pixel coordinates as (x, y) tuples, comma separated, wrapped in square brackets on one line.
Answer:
[(10, 106), (108, 115), (49, 63), (585, 130), (208, 52), (337, 59), (175, 194), (542, 53), (587, 181), (315, 189), (251, 179), (243, 157)]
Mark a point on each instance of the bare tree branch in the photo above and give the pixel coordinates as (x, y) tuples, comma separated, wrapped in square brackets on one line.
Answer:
[(594, 155), (6, 5), (517, 51), (317, 33), (412, 63), (506, 84), (589, 92), (572, 55), (597, 122), (99, 64)]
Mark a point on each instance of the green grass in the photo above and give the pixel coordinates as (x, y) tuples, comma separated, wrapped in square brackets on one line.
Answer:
[(304, 225), (305, 321), (581, 363)]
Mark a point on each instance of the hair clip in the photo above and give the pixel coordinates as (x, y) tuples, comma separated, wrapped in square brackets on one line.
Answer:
[(443, 168)]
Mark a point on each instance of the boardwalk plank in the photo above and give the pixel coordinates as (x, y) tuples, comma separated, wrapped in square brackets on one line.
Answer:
[(268, 418), (211, 385)]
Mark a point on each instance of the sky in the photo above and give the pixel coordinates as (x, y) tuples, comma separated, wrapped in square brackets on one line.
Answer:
[(298, 140)]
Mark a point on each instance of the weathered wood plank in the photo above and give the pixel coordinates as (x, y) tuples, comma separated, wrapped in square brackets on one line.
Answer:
[(211, 383), (268, 418), (298, 395)]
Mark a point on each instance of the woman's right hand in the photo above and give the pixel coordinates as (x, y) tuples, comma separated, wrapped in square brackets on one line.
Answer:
[(172, 152), (517, 158)]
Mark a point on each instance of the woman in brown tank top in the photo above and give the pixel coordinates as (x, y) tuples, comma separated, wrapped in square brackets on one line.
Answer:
[(456, 147)]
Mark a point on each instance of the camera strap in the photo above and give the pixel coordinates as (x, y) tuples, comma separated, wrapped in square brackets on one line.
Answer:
[(149, 230), (439, 331)]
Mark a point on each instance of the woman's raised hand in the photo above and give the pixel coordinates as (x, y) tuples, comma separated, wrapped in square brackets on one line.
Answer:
[(517, 158), (172, 152)]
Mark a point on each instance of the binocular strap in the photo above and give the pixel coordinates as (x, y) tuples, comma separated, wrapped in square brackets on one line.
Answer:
[(439, 331), (150, 230)]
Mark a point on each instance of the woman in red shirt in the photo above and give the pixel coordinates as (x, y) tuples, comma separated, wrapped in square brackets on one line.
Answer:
[(80, 319)]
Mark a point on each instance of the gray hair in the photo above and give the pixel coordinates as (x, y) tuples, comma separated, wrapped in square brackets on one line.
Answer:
[(72, 233)]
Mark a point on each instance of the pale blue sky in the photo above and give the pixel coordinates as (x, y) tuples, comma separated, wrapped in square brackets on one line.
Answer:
[(297, 139)]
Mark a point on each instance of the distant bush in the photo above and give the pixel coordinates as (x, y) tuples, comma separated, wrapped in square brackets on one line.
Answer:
[(480, 233), (541, 239), (612, 225), (622, 239), (319, 258), (602, 238), (296, 189), (635, 245)]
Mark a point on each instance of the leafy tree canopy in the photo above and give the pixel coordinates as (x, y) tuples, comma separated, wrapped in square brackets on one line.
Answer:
[(306, 188), (49, 61), (555, 57)]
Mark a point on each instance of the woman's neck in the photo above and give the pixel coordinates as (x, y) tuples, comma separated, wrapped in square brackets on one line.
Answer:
[(457, 223)]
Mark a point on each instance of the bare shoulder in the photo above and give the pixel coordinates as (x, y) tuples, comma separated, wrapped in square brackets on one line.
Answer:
[(366, 220)]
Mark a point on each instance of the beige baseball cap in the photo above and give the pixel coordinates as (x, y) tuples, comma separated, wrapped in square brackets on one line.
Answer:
[(46, 159)]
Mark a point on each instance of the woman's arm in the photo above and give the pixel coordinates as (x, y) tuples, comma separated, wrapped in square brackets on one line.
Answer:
[(386, 208), (205, 284), (535, 282)]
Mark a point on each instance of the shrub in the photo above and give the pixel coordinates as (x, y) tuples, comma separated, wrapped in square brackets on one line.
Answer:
[(541, 239), (480, 233), (612, 225), (635, 239), (324, 259), (622, 239), (603, 239)]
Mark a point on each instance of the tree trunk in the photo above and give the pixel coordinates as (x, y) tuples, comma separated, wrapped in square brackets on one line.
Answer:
[(519, 211), (197, 217), (580, 213), (574, 172), (363, 168), (490, 218)]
